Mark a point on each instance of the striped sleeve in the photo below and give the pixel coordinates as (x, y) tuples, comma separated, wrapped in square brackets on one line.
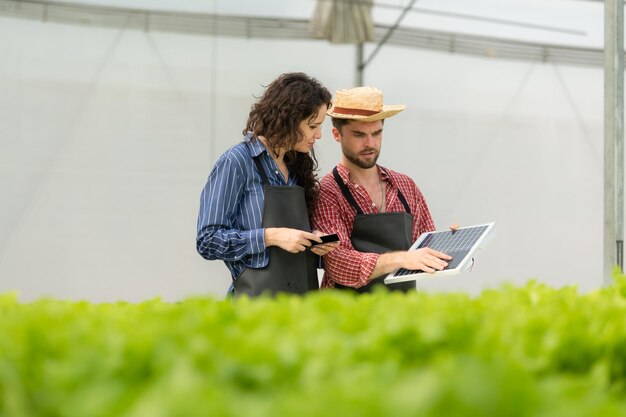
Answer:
[(217, 235)]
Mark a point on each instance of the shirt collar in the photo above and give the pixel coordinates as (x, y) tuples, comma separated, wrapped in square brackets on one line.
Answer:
[(344, 173), (255, 146)]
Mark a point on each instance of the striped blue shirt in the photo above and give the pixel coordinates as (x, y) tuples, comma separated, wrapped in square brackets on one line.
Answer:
[(231, 207)]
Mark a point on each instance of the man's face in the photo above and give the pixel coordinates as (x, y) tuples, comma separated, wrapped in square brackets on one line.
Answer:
[(360, 142)]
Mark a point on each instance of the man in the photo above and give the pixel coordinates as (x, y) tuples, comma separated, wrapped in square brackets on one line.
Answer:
[(377, 213)]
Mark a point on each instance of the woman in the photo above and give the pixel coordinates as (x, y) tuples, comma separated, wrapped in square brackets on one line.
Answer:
[(255, 207)]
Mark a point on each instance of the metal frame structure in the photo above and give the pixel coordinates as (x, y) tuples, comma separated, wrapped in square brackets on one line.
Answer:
[(286, 28), (613, 137)]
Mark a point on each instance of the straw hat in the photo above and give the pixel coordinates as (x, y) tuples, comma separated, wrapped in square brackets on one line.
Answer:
[(364, 104)]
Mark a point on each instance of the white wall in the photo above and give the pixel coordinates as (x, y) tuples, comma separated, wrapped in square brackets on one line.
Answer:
[(107, 136)]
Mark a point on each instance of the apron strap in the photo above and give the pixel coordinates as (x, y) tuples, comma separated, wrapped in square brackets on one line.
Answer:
[(346, 192), (404, 202), (400, 195), (259, 167), (348, 195)]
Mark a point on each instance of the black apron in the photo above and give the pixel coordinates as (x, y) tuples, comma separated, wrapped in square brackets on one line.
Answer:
[(286, 272), (379, 233)]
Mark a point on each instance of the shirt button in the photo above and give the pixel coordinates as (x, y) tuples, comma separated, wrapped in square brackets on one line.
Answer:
[(276, 172)]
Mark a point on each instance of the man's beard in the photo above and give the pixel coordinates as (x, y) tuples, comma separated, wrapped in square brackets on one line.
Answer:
[(354, 158)]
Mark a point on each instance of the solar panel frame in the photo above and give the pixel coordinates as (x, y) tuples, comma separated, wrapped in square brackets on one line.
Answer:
[(461, 244)]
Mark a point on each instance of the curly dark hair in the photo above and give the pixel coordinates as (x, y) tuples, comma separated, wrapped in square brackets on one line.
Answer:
[(277, 114)]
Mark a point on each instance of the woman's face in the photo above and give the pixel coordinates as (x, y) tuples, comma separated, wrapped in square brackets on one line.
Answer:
[(311, 131)]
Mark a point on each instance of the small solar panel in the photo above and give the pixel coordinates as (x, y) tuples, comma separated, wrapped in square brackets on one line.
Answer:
[(460, 244)]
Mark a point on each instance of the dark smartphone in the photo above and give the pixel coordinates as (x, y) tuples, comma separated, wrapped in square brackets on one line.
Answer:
[(327, 239)]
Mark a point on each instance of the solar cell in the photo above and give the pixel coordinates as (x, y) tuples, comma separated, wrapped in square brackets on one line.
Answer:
[(460, 244)]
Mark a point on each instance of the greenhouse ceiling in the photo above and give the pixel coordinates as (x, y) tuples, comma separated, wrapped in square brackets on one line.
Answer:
[(561, 31)]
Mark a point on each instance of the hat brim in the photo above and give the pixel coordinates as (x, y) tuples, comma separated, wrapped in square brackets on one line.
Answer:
[(385, 113)]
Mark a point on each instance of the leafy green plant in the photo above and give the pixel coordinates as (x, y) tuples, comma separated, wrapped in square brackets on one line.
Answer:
[(529, 351)]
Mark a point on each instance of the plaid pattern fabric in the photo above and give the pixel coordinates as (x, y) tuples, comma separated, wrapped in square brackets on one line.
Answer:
[(345, 265)]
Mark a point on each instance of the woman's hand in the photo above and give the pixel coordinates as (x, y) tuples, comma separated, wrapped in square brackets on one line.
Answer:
[(323, 248), (291, 240)]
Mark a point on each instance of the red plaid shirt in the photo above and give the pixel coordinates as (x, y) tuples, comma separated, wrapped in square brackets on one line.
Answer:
[(345, 265)]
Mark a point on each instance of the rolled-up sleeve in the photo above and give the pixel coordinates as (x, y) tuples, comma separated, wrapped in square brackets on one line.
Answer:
[(344, 265)]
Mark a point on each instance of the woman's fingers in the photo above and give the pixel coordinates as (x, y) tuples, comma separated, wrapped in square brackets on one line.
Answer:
[(324, 248)]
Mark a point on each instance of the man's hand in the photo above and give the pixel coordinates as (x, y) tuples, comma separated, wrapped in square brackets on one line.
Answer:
[(291, 240), (425, 259)]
